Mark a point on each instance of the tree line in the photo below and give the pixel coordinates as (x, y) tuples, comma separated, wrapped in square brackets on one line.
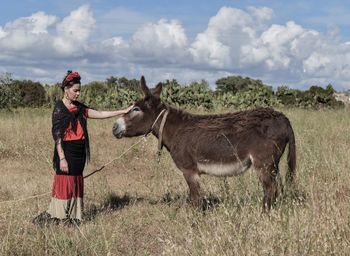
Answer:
[(116, 92)]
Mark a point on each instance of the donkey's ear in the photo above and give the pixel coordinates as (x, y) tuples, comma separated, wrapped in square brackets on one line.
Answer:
[(156, 91), (144, 87)]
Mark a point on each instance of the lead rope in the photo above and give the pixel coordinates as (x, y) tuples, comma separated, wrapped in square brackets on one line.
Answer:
[(103, 166), (154, 123), (118, 157), (160, 145)]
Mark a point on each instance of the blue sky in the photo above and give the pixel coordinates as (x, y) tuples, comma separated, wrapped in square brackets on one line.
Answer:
[(298, 44)]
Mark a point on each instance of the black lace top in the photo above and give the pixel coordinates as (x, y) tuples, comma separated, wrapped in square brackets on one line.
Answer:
[(61, 118)]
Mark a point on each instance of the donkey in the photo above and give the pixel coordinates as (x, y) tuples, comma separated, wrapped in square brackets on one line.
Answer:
[(220, 145)]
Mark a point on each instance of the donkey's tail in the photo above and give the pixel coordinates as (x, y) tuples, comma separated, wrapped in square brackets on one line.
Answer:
[(291, 158)]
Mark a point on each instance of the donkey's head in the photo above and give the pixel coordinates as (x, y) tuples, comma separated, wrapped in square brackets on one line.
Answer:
[(140, 118)]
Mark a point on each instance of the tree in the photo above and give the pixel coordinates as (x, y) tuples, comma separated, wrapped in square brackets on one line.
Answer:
[(122, 82), (201, 86), (28, 93), (132, 84), (235, 84), (6, 94), (112, 82)]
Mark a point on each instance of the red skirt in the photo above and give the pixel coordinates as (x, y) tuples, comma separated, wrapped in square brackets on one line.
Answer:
[(67, 197)]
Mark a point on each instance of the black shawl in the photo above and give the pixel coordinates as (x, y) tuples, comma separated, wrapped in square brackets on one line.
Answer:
[(61, 118)]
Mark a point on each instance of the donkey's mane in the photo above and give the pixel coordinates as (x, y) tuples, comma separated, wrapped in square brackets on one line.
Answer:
[(260, 111), (236, 120)]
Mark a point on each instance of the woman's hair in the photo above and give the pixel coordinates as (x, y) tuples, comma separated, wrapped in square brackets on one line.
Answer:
[(70, 79)]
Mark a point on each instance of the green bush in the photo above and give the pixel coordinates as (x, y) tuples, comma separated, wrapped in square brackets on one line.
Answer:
[(252, 96), (7, 96), (53, 93), (114, 93), (234, 84), (94, 93), (27, 93), (106, 96), (315, 97), (195, 95)]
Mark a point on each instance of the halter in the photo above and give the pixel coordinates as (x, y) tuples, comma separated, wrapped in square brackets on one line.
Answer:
[(160, 137)]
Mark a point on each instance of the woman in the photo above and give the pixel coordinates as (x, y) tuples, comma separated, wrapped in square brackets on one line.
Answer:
[(69, 131)]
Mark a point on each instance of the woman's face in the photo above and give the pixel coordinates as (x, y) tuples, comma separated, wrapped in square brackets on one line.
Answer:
[(73, 92)]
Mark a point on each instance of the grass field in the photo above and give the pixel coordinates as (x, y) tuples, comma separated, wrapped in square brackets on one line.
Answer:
[(138, 207)]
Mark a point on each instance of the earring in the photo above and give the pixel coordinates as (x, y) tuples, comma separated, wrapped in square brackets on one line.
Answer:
[(66, 95)]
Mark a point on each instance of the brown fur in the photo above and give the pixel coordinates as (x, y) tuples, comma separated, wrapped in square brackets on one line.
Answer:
[(206, 143)]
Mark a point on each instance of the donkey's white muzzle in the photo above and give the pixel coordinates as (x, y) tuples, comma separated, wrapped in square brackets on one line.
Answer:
[(119, 128)]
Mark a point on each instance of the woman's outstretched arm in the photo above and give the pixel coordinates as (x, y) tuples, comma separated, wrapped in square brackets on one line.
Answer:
[(106, 114)]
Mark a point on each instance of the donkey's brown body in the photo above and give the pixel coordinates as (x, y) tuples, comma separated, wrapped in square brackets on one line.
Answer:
[(220, 145)]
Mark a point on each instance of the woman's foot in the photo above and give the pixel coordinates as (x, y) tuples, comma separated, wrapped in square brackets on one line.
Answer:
[(45, 218)]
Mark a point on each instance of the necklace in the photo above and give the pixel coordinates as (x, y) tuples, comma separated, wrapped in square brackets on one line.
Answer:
[(68, 104)]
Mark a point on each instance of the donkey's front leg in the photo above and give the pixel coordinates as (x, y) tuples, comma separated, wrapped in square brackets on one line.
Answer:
[(192, 179)]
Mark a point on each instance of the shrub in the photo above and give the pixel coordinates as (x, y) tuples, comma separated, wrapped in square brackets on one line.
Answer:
[(7, 97), (197, 94), (114, 93), (315, 97), (27, 93), (53, 93)]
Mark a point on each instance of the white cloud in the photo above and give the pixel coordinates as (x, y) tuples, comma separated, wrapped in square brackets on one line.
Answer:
[(261, 15), (39, 71), (236, 41), (330, 61), (40, 22), (164, 41), (120, 21), (2, 33), (277, 41), (74, 31), (209, 50), (26, 33), (316, 63), (37, 23), (228, 31), (115, 42), (33, 37)]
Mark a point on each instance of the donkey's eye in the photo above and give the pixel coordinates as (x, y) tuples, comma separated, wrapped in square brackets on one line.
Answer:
[(136, 109)]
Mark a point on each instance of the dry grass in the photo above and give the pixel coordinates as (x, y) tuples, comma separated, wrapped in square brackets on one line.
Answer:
[(138, 207)]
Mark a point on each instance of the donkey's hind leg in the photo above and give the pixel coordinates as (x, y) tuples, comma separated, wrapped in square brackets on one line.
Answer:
[(269, 179), (192, 179)]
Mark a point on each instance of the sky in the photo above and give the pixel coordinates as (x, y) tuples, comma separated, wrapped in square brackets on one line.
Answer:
[(293, 43)]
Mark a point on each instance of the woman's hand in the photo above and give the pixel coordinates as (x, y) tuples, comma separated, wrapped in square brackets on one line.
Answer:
[(64, 165), (126, 110)]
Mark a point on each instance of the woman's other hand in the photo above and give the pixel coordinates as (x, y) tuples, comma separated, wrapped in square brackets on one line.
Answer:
[(64, 165)]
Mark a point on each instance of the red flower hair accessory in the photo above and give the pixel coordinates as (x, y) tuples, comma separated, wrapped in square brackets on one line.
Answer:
[(72, 76)]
